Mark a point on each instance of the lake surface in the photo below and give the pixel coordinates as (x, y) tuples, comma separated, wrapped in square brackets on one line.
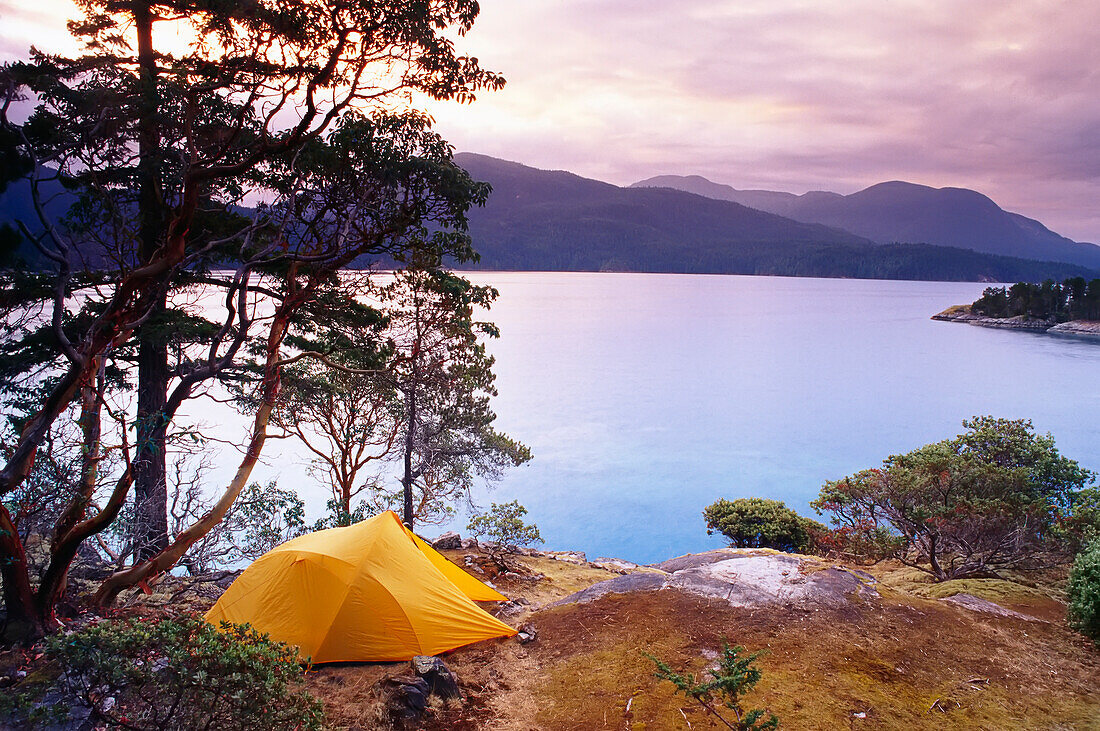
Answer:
[(645, 397)]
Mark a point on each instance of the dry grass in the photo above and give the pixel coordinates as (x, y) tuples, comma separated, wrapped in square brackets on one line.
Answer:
[(891, 662)]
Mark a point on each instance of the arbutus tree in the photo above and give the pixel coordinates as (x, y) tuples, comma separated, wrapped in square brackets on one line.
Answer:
[(338, 401), (419, 399), (444, 376), (159, 146), (990, 499), (370, 189)]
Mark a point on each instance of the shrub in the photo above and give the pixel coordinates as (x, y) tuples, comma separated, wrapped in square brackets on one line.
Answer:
[(262, 517), (733, 677), (1084, 593), (504, 526), (183, 674), (761, 523)]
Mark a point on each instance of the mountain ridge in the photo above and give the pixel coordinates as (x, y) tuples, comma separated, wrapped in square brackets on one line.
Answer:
[(558, 221), (898, 211)]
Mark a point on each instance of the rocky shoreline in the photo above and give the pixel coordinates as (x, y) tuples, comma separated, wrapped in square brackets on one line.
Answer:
[(1074, 328)]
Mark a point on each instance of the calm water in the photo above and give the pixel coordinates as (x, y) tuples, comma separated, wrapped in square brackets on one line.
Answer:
[(646, 397)]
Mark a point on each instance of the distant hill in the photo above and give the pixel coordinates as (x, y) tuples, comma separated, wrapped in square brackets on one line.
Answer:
[(900, 212), (555, 220), (538, 219)]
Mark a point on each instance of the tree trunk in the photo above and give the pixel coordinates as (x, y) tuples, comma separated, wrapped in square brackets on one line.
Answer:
[(933, 560), (90, 428), (150, 473), (150, 468), (407, 478)]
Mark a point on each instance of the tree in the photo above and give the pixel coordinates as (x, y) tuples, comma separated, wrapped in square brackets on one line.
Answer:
[(1079, 525), (987, 500), (445, 379), (347, 421), (151, 141), (762, 523), (410, 382), (1073, 299), (344, 408), (370, 187)]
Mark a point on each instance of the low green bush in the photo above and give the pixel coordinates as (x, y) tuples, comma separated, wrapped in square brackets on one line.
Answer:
[(761, 523), (1084, 592), (183, 674)]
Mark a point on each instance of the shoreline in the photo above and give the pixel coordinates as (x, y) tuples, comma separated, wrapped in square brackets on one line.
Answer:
[(1089, 329)]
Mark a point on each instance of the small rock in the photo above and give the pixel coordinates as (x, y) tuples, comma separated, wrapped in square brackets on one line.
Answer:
[(616, 565), (574, 557), (447, 541), (508, 609), (20, 674), (527, 634), (861, 714), (441, 681), (406, 697), (468, 543)]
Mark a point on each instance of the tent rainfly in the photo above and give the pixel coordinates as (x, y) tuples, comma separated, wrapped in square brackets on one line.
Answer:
[(370, 591)]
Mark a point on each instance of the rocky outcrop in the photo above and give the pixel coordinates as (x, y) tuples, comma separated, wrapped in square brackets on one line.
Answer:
[(1078, 328), (963, 314), (448, 541), (977, 604), (746, 578), (1075, 328)]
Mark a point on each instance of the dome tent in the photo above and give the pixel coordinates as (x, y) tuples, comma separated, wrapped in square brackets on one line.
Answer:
[(370, 591)]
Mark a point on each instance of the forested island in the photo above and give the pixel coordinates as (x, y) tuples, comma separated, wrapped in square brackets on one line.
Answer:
[(1069, 308)]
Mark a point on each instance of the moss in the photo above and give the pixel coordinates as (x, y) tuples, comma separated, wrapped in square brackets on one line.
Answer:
[(1012, 590), (994, 590)]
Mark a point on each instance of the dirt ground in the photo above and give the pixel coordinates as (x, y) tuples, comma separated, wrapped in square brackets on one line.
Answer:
[(902, 661)]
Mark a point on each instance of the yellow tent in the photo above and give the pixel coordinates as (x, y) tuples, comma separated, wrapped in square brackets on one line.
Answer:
[(371, 591)]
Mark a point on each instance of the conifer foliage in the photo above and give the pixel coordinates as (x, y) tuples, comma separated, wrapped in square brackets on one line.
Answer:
[(732, 677)]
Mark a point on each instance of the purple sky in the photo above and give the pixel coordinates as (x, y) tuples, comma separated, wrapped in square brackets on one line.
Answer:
[(1003, 97)]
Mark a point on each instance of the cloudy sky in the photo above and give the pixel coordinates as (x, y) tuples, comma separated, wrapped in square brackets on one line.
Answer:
[(795, 95)]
